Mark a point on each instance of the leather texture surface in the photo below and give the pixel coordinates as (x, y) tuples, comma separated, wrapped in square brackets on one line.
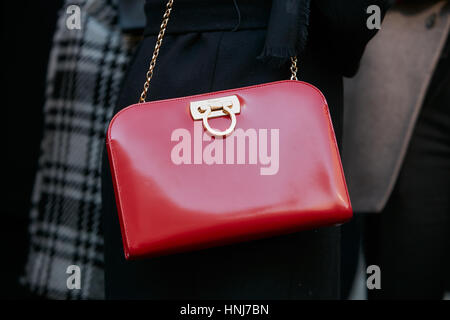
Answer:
[(168, 208)]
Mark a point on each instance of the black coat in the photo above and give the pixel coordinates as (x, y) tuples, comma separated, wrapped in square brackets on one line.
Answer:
[(201, 53)]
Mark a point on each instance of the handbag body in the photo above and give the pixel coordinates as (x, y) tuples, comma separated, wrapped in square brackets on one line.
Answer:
[(218, 168)]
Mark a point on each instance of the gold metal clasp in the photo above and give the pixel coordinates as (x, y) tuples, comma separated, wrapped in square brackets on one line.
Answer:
[(226, 106)]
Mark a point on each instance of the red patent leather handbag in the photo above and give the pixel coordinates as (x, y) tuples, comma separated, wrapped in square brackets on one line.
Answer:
[(223, 167)]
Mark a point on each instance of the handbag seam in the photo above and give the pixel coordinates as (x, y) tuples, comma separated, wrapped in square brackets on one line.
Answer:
[(214, 93), (122, 220), (330, 125)]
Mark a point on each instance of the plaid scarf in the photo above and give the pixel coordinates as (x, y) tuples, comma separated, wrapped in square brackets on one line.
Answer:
[(85, 71)]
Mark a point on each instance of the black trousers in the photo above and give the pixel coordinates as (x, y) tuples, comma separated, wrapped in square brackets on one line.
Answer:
[(410, 239), (303, 265)]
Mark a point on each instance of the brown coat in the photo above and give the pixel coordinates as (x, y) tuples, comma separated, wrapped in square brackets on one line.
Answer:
[(383, 100)]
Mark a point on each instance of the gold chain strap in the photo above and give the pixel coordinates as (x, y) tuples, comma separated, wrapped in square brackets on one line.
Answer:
[(159, 40), (294, 68), (162, 31)]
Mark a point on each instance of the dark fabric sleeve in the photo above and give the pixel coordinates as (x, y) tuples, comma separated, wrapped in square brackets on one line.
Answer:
[(339, 28), (287, 30)]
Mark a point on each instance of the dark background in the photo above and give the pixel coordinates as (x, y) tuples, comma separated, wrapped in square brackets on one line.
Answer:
[(27, 32)]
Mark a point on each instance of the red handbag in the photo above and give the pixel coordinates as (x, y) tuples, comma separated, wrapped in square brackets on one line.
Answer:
[(224, 167)]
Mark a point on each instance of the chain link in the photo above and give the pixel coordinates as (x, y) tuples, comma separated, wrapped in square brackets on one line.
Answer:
[(294, 68), (162, 31)]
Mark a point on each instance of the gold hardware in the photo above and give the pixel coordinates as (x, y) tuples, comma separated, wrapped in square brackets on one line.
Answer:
[(159, 40), (294, 68), (226, 106)]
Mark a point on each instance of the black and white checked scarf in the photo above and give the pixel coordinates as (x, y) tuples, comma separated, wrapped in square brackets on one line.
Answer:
[(85, 71)]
